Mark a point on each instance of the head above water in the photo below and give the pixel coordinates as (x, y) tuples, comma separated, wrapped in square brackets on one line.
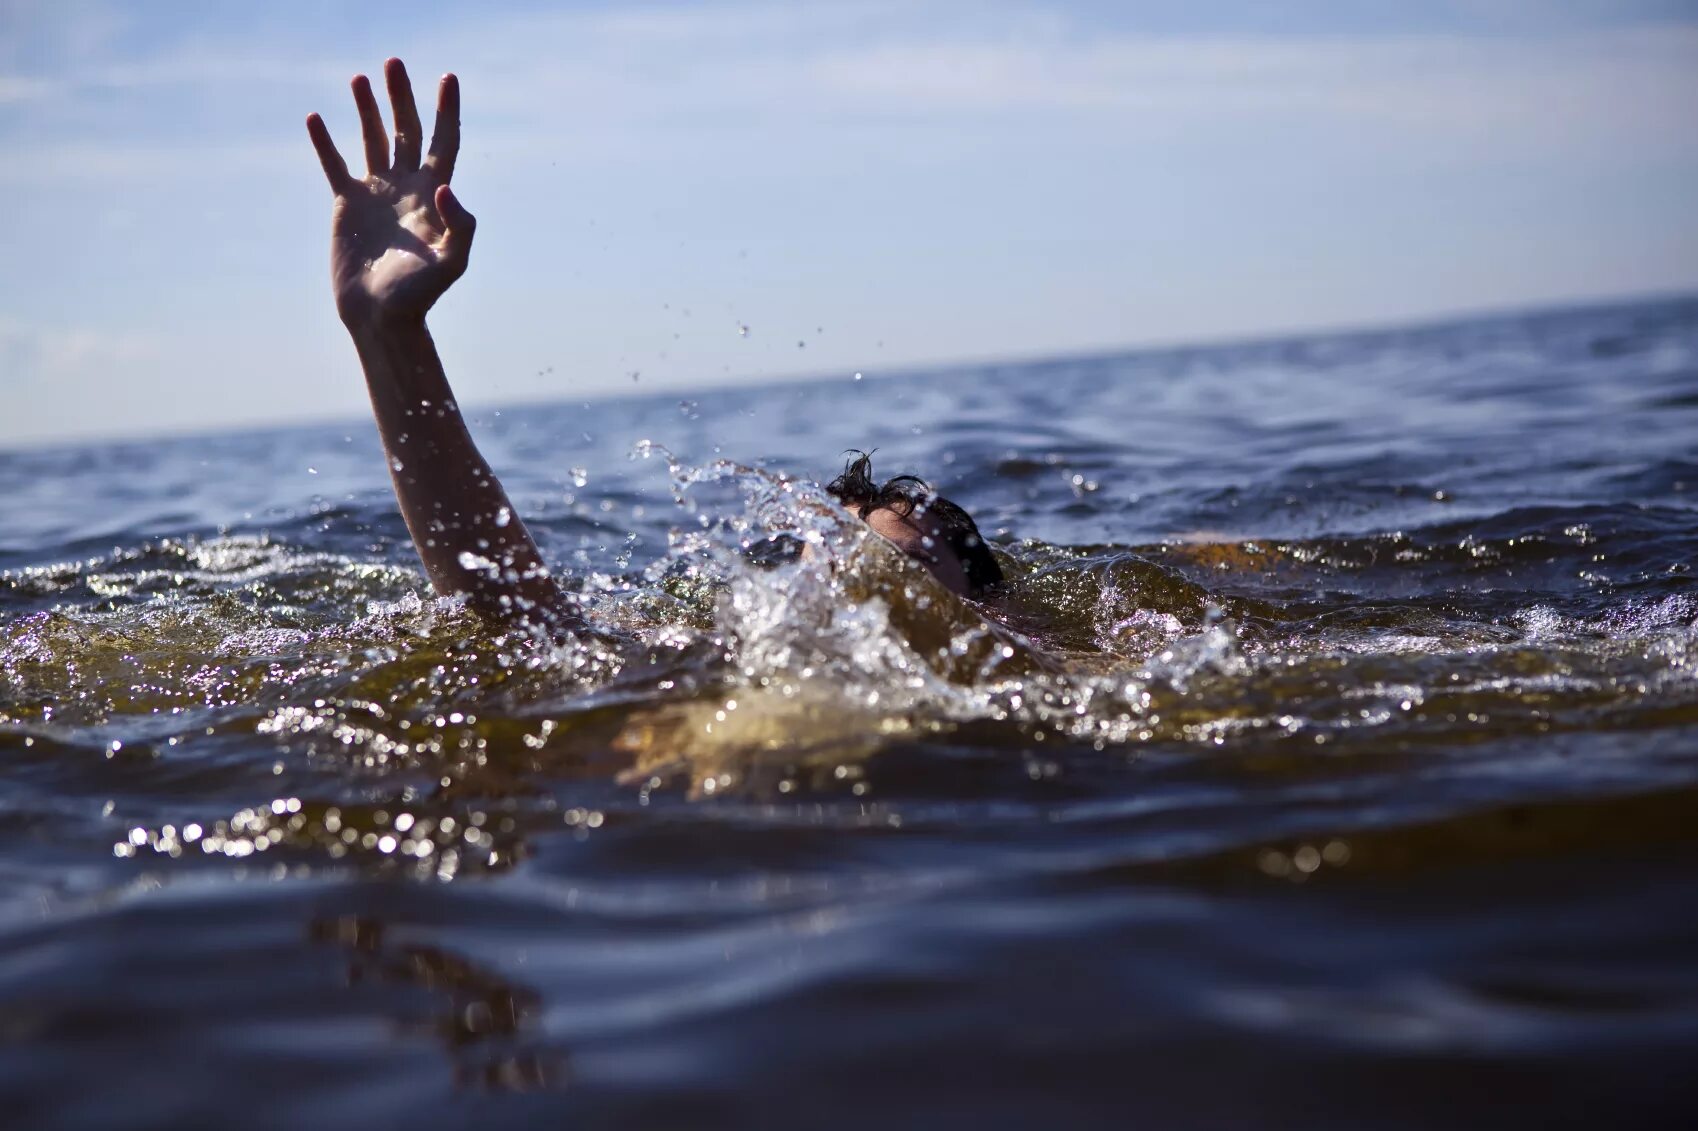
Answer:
[(921, 523)]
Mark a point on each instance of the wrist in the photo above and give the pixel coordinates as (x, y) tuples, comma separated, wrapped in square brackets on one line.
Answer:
[(398, 357)]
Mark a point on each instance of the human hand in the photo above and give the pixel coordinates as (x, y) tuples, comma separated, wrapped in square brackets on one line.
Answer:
[(399, 237)]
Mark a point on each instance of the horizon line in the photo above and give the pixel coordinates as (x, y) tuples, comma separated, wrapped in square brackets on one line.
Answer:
[(1244, 340)]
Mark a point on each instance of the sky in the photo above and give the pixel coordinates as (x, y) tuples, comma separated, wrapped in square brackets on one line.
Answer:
[(680, 195)]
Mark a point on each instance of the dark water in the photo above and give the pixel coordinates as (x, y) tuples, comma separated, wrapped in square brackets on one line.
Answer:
[(1332, 760)]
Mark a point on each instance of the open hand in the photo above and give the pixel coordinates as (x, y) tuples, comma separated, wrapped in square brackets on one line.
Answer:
[(399, 237)]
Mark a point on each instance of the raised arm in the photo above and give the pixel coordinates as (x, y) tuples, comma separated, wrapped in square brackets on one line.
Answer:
[(399, 238)]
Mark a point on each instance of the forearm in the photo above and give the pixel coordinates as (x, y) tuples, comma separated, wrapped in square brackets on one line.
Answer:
[(464, 527)]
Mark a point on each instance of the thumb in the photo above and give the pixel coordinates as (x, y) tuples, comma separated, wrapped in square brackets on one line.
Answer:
[(461, 225)]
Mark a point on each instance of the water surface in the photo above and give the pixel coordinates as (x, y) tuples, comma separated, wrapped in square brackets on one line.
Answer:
[(1331, 759)]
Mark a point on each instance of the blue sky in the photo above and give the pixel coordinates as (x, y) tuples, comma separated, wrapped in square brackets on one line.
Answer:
[(864, 185)]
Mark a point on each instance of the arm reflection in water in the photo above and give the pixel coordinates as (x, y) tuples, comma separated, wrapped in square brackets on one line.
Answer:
[(486, 1019)]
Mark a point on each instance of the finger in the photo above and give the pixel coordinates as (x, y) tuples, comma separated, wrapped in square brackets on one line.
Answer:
[(461, 227), (409, 135), (445, 142), (371, 127), (335, 169)]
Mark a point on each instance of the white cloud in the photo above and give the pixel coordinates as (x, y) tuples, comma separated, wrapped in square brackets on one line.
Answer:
[(16, 89), (1641, 81), (118, 161), (54, 355), (741, 67), (750, 65)]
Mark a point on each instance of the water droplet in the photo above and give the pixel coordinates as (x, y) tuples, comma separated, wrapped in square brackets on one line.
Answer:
[(857, 376), (742, 330)]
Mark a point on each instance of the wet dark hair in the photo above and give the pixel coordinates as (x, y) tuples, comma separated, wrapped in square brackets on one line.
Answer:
[(905, 494)]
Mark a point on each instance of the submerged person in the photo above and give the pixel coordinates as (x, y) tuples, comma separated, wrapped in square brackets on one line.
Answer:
[(399, 239)]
